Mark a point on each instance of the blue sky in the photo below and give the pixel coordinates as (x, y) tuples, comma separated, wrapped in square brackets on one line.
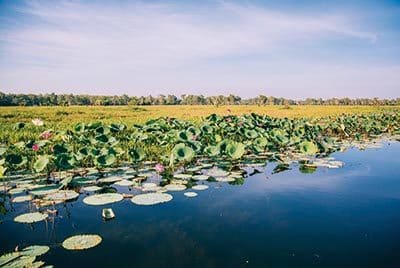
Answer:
[(293, 49)]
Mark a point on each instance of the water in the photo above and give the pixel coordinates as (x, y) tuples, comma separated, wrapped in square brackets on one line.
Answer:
[(348, 217)]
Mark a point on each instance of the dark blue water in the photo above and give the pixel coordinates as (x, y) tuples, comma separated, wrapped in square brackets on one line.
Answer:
[(348, 217)]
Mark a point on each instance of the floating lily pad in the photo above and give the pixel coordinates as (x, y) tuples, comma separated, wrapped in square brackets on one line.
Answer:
[(62, 195), (200, 187), (175, 187), (91, 188), (225, 179), (216, 172), (45, 190), (102, 199), (183, 176), (80, 242), (200, 177), (8, 257), (124, 183), (151, 198), (35, 250), (22, 261), (190, 194), (30, 217), (111, 179), (22, 198)]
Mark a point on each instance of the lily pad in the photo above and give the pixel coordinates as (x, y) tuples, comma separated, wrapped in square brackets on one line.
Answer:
[(30, 217), (6, 258), (183, 176), (151, 198), (200, 177), (102, 199), (62, 195), (111, 179), (124, 183), (80, 242), (35, 250), (175, 187), (22, 198), (190, 194), (92, 188), (200, 187), (225, 179)]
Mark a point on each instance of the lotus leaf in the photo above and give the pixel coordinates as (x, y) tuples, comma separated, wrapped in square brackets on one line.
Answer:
[(102, 199), (151, 198), (30, 217), (80, 242)]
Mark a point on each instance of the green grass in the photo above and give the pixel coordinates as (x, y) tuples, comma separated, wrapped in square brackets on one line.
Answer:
[(61, 118)]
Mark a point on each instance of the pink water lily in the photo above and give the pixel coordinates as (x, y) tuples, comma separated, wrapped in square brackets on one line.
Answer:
[(35, 147), (159, 168), (46, 135)]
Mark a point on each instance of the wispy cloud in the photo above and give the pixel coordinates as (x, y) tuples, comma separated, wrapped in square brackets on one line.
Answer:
[(122, 41)]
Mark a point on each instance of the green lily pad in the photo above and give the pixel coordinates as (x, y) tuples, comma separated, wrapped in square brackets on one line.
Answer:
[(151, 198), (30, 217), (35, 250), (102, 199), (81, 242)]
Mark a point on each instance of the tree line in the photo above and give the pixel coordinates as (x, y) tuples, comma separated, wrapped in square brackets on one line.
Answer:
[(70, 99)]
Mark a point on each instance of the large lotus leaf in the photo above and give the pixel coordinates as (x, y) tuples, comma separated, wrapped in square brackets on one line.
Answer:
[(185, 135), (102, 130), (235, 150), (117, 127), (182, 153), (79, 128), (195, 131), (8, 257), (250, 133), (16, 159), (207, 129), (65, 161), (19, 125), (195, 145), (137, 154), (60, 149), (80, 242), (106, 160), (102, 138), (222, 145), (308, 147), (35, 250), (41, 163), (260, 142)]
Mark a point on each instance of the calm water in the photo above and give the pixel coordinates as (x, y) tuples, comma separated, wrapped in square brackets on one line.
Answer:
[(348, 217)]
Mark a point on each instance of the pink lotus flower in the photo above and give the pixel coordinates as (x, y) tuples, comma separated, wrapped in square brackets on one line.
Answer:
[(36, 147), (46, 135), (159, 168)]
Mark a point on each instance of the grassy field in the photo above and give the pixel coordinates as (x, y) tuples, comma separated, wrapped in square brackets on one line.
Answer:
[(66, 116), (60, 118)]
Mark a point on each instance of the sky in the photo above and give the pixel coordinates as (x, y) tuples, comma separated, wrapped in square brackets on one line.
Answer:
[(287, 48)]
